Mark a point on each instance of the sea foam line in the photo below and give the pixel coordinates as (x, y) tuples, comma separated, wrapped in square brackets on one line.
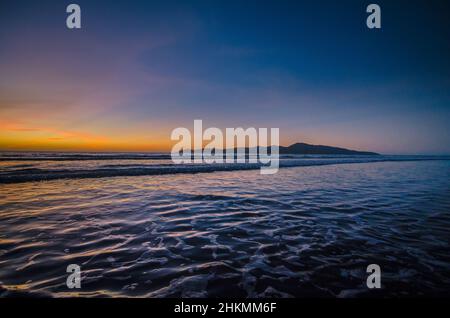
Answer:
[(19, 176)]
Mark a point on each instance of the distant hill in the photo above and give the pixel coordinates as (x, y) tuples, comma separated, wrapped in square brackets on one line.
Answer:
[(301, 148)]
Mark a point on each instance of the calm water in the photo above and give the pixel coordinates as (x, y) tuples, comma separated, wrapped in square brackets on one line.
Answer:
[(306, 231)]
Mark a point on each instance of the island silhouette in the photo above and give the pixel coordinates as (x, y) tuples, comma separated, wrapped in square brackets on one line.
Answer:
[(302, 148)]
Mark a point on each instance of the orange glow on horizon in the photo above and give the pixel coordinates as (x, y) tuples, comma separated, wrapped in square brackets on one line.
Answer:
[(35, 143), (18, 137)]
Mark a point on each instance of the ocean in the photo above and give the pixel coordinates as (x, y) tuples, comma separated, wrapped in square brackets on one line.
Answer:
[(138, 226)]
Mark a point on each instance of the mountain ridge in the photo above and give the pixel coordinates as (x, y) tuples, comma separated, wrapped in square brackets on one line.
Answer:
[(302, 148)]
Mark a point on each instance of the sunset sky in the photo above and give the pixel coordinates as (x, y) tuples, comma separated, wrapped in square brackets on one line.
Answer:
[(138, 69)]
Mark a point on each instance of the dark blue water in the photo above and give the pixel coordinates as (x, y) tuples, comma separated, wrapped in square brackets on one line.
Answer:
[(305, 231)]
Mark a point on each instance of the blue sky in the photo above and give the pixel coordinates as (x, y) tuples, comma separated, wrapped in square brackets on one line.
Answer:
[(138, 69)]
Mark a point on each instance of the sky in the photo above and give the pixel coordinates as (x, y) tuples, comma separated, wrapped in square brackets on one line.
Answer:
[(136, 70)]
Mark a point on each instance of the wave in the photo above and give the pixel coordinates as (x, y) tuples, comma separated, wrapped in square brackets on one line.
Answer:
[(30, 174)]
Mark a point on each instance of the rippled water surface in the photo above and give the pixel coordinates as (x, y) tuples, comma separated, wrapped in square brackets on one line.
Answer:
[(305, 231)]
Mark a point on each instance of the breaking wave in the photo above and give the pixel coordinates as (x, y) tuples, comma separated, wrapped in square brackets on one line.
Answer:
[(52, 167)]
